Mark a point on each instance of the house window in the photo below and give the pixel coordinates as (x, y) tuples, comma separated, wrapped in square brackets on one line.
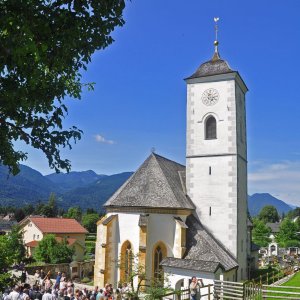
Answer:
[(160, 252), (210, 128), (126, 261), (34, 236), (37, 237)]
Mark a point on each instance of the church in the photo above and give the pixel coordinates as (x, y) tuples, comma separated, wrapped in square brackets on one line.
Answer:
[(191, 220)]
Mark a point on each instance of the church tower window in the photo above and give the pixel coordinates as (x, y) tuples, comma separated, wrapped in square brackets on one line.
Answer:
[(158, 255), (126, 261), (210, 128)]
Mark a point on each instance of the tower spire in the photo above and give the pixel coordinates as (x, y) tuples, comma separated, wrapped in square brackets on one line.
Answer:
[(216, 55)]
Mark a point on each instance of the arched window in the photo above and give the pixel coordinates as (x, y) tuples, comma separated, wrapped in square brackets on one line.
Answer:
[(126, 261), (210, 128), (160, 252)]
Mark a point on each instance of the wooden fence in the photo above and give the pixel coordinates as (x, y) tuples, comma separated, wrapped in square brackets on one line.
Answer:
[(280, 292), (205, 291), (273, 276), (227, 290)]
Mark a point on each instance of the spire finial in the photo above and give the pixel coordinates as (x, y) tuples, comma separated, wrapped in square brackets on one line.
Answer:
[(216, 42)]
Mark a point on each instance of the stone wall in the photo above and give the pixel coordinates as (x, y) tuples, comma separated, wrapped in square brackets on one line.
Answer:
[(73, 269)]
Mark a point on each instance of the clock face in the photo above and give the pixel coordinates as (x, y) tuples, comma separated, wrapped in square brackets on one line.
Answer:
[(210, 97)]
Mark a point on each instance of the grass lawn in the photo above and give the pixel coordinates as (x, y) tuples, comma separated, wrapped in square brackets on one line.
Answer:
[(293, 282)]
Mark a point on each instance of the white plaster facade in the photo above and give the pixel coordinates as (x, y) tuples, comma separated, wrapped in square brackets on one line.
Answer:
[(215, 181), (217, 169)]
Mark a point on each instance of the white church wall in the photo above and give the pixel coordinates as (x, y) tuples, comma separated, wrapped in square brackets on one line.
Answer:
[(174, 277), (217, 168), (127, 230), (161, 228)]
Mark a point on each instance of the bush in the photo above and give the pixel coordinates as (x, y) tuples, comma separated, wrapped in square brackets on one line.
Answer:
[(85, 280)]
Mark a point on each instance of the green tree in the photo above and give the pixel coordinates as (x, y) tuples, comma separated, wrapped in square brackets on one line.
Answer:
[(49, 209), (269, 214), (44, 45), (49, 250), (12, 251), (294, 213), (287, 235), (89, 221), (74, 212), (19, 214), (260, 233)]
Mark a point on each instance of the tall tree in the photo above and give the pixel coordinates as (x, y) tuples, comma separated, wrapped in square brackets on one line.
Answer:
[(74, 212), (12, 251), (49, 250), (287, 235), (269, 214), (44, 44), (260, 233), (89, 221)]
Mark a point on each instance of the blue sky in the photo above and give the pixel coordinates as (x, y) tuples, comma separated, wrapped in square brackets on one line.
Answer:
[(140, 96)]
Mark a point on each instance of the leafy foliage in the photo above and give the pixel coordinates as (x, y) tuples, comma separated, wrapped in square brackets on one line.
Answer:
[(89, 221), (44, 44), (49, 250), (12, 251), (74, 212), (260, 233), (287, 235), (269, 214)]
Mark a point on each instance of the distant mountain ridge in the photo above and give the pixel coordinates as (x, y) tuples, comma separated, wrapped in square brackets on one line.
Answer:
[(67, 181), (86, 189), (257, 201)]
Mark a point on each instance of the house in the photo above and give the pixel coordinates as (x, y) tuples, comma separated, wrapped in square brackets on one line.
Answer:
[(6, 223), (275, 227), (36, 227), (187, 220)]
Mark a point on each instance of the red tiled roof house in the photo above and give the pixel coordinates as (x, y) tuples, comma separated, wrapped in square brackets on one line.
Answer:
[(35, 228)]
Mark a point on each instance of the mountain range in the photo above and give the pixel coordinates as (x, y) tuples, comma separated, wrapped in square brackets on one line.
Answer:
[(86, 189)]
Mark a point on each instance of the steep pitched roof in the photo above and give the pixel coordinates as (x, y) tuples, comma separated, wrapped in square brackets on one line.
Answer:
[(203, 252), (58, 225), (201, 245), (191, 264), (157, 183)]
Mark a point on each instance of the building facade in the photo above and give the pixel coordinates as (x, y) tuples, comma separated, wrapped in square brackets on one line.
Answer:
[(186, 221)]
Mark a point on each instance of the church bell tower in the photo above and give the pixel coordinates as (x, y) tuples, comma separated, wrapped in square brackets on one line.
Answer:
[(216, 154)]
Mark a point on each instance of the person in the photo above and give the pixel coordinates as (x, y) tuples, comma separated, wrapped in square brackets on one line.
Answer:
[(36, 294), (58, 279), (47, 283), (63, 283), (15, 295), (194, 286), (36, 277), (125, 291), (48, 295), (118, 295)]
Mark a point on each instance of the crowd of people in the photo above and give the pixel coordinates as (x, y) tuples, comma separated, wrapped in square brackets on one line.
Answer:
[(43, 288)]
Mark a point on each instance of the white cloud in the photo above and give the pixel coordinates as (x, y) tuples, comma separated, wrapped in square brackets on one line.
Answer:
[(281, 179), (101, 139)]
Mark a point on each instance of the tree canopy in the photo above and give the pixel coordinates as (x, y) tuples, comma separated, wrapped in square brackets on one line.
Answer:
[(287, 235), (269, 214), (44, 44), (12, 251), (260, 233), (49, 250), (89, 221), (74, 212)]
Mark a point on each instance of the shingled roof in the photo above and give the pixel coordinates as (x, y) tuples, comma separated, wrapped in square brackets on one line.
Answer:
[(158, 183), (203, 251)]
